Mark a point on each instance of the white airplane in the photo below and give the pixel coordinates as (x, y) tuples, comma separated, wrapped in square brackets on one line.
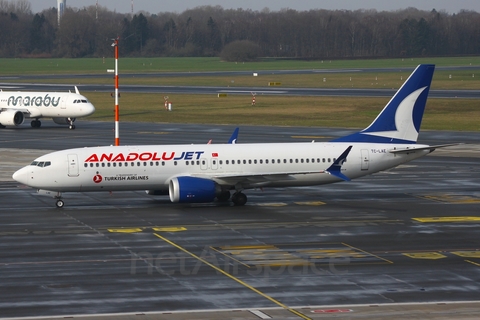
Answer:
[(62, 107), (201, 173)]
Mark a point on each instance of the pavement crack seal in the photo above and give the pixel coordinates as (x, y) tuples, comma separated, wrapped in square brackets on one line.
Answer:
[(295, 312)]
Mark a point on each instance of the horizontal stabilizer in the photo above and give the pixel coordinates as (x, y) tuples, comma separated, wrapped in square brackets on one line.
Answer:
[(336, 168), (431, 148)]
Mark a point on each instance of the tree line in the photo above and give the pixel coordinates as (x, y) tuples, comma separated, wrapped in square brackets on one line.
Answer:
[(243, 34)]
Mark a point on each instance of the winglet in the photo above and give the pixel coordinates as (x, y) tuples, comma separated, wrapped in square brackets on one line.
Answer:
[(233, 138), (76, 90), (336, 168)]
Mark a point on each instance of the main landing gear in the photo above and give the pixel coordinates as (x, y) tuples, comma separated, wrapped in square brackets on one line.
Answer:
[(239, 199), (71, 126), (224, 196), (36, 123)]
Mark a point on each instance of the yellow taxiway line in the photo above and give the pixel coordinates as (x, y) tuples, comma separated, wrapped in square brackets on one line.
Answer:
[(295, 312)]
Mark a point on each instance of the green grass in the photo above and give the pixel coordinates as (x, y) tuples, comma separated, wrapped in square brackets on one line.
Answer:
[(441, 114), (278, 111), (131, 65), (441, 80)]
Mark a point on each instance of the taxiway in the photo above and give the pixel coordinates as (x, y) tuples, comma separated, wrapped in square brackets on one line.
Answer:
[(400, 244)]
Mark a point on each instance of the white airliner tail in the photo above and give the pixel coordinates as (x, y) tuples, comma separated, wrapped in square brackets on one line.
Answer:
[(400, 120)]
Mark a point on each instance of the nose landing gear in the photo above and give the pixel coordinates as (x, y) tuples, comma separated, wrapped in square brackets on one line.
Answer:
[(70, 122), (60, 203)]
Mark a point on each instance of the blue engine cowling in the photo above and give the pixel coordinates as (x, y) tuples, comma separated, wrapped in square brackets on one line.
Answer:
[(191, 189)]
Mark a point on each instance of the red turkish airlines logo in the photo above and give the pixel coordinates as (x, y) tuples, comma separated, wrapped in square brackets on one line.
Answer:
[(97, 178)]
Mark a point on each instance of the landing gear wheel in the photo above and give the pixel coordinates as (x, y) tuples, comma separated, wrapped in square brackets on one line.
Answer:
[(223, 196), (36, 123), (60, 203), (239, 199), (70, 122)]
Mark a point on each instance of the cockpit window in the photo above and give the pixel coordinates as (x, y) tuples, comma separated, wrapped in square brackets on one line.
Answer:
[(41, 164)]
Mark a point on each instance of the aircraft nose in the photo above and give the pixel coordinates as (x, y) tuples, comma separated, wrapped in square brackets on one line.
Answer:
[(90, 109), (22, 176)]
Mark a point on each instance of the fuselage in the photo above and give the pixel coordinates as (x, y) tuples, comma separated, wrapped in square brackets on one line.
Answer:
[(152, 167), (47, 104)]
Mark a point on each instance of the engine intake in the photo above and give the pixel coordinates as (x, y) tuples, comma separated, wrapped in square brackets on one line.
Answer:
[(11, 117), (192, 190)]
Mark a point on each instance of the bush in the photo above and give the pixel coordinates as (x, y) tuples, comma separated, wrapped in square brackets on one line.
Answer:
[(240, 51)]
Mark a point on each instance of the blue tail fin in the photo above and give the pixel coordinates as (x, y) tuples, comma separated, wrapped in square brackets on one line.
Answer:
[(233, 138), (400, 120)]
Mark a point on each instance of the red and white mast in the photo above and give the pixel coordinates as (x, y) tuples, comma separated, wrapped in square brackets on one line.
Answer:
[(117, 109)]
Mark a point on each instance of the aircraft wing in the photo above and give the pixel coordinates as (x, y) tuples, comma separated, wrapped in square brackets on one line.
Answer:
[(26, 112), (255, 179), (23, 110), (259, 179)]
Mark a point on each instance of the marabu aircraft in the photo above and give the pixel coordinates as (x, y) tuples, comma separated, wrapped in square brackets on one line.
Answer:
[(205, 172), (63, 107)]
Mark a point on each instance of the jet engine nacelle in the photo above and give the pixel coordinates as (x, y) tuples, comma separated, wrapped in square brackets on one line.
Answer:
[(11, 117), (191, 189), (63, 121)]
